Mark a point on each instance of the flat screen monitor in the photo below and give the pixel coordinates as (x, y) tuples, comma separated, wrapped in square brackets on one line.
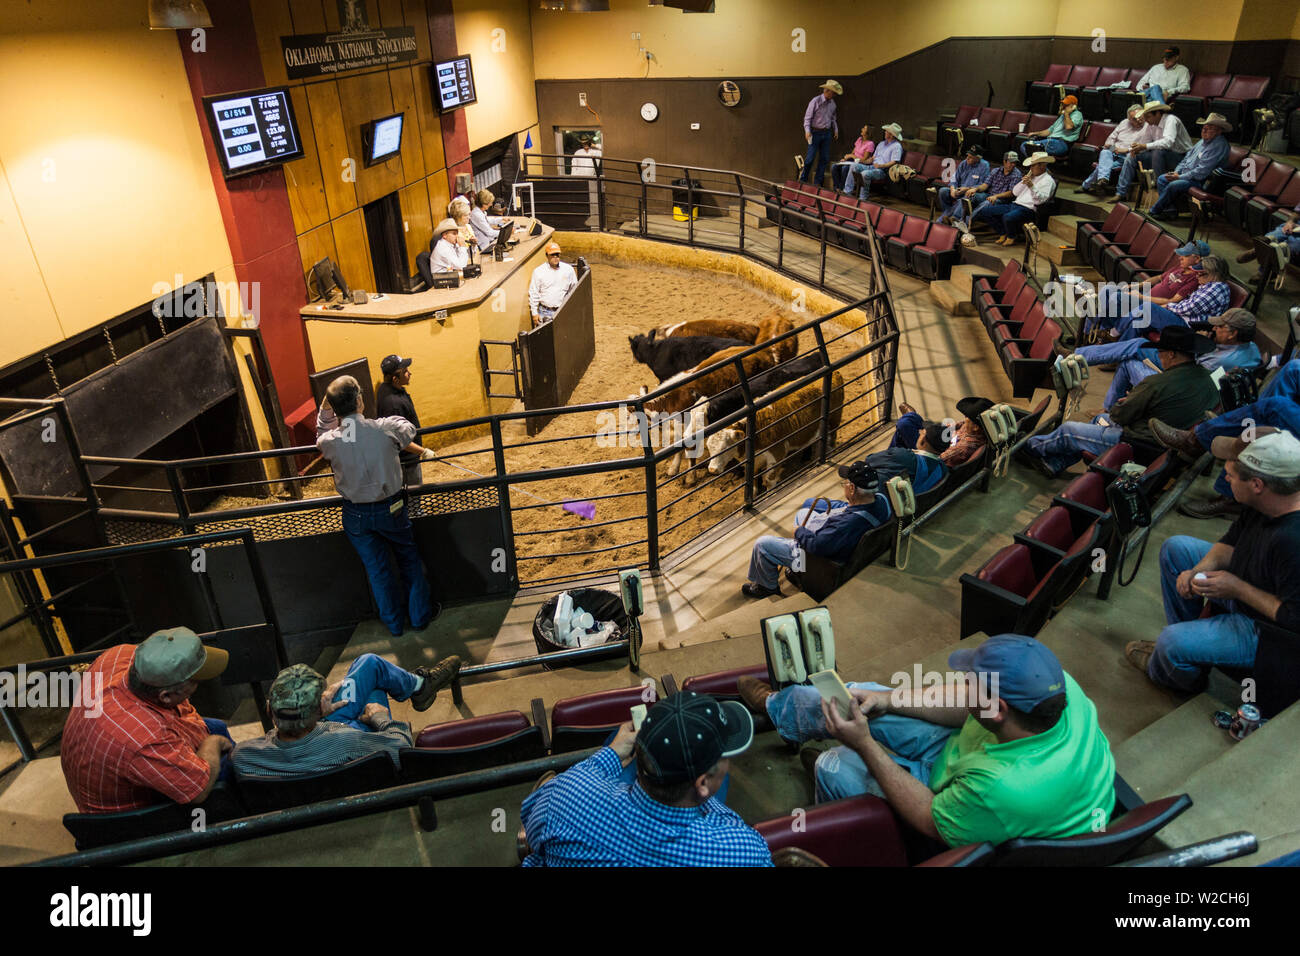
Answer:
[(453, 84), (253, 130), (504, 235), (382, 138)]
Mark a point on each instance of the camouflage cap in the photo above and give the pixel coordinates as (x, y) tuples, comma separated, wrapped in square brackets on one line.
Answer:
[(296, 691)]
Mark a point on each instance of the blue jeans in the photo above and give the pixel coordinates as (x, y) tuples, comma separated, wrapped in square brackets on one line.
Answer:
[(1063, 447), (769, 556), (371, 680), (838, 173), (1292, 240), (1190, 645), (1114, 303), (819, 149), (915, 745), (1132, 369), (1154, 94), (218, 728), (1105, 166), (1005, 217), (1052, 147), (374, 531), (951, 207), (1149, 318), (1170, 190), (1275, 411), (1285, 384), (1163, 160), (868, 175)]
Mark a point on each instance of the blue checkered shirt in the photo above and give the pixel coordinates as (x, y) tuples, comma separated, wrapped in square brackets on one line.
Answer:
[(1205, 302), (587, 816)]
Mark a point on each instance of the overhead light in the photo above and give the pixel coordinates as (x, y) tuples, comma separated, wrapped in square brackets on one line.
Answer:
[(178, 15)]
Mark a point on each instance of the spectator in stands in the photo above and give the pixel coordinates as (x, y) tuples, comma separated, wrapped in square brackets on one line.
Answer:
[(1166, 79), (363, 454), (486, 227), (1278, 406), (1159, 151), (1115, 301), (319, 728), (1286, 232), (887, 154), (820, 128), (1118, 144), (1027, 760), (1230, 346), (966, 179), (449, 251), (670, 816), (1034, 189), (967, 440), (1181, 394), (1249, 575), (140, 736), (1000, 186), (1210, 298), (862, 150), (1057, 138), (830, 530), (1195, 168), (922, 465)]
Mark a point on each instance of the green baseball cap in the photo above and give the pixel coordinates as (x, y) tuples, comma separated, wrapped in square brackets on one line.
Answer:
[(174, 655), (295, 692)]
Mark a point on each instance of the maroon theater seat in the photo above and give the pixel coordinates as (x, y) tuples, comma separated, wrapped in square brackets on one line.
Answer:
[(929, 175), (1080, 76), (1259, 210), (898, 248), (1010, 594), (889, 224), (1054, 528), (1157, 260), (934, 258), (1195, 103), (1269, 183), (948, 130), (1085, 230), (1094, 97), (1128, 228), (1084, 152), (1136, 248), (1243, 95), (474, 743), (998, 139), (1118, 101), (722, 684), (1121, 837), (1041, 96), (1031, 370), (586, 721), (858, 831), (1087, 491)]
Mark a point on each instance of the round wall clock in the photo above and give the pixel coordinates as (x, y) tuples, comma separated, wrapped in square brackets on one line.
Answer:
[(729, 93), (649, 112)]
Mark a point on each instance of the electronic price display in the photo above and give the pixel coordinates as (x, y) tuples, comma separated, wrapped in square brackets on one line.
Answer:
[(252, 131), (453, 81)]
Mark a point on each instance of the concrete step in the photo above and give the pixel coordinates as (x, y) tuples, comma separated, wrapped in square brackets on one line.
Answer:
[(949, 296), (927, 134), (1062, 253), (964, 275), (1064, 226), (1158, 760), (919, 145)]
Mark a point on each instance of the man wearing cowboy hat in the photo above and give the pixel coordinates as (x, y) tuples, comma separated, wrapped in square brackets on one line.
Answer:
[(449, 253), (1167, 78), (550, 285), (1164, 149), (820, 127), (887, 154), (585, 158), (1118, 145), (1056, 139), (967, 438), (1034, 189), (1195, 169)]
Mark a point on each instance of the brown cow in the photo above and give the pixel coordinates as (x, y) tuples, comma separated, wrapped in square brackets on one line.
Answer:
[(721, 328), (770, 328)]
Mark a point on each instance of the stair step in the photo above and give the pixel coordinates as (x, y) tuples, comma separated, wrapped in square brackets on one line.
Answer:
[(1062, 253), (963, 277), (919, 145), (927, 134), (949, 297), (1064, 226), (1158, 759)]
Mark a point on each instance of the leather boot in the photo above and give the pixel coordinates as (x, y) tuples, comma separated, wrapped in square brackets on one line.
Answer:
[(1180, 440)]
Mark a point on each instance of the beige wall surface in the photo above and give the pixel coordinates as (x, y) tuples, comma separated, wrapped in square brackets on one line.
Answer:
[(1144, 19), (497, 35)]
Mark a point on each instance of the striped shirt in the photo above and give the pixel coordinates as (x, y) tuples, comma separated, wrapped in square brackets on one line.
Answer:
[(587, 817), (970, 439), (1203, 303), (330, 744)]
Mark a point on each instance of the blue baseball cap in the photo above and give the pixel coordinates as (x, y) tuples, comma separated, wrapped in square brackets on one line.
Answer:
[(1028, 672), (1194, 247)]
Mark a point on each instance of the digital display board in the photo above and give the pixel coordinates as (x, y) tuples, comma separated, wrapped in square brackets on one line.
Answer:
[(453, 83), (253, 130)]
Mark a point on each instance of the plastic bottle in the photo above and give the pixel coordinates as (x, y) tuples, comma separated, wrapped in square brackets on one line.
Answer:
[(563, 617)]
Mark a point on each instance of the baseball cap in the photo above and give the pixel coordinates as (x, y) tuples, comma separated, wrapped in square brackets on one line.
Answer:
[(1235, 319), (1177, 338), (392, 363), (973, 406), (862, 475), (295, 692), (974, 150), (1028, 672), (1194, 247), (1172, 51), (1070, 100), (175, 655), (1012, 155), (1273, 453), (686, 734), (552, 247)]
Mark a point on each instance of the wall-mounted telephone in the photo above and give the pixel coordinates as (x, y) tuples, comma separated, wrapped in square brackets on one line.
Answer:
[(1128, 502), (818, 639), (1069, 376), (629, 586), (901, 497), (1001, 427), (784, 650)]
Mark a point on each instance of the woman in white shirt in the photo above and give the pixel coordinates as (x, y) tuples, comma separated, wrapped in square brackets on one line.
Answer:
[(1031, 192), (486, 228), (449, 252)]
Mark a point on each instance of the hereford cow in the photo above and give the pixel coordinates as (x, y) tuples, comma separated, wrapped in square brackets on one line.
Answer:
[(669, 357)]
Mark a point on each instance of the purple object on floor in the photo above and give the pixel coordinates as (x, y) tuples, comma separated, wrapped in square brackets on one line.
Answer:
[(583, 509)]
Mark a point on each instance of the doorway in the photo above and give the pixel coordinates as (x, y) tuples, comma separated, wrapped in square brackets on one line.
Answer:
[(568, 141), (386, 232)]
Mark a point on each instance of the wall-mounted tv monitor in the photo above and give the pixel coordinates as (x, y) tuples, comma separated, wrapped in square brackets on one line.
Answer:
[(381, 139), (453, 84), (253, 130)]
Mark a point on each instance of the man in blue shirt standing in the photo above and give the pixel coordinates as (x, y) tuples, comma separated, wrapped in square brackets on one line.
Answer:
[(820, 128), (1203, 159), (670, 816)]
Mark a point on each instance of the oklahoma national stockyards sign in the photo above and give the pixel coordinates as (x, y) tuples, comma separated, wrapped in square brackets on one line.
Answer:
[(356, 46)]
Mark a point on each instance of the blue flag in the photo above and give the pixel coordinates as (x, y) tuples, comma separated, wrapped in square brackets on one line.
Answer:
[(528, 140)]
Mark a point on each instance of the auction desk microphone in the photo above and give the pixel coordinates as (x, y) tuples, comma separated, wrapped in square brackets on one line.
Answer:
[(471, 271)]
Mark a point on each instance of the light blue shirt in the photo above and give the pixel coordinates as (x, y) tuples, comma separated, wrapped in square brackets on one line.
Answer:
[(968, 175), (889, 151), (1204, 158)]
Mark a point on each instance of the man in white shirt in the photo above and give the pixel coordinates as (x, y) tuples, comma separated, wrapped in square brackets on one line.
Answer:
[(585, 158), (1118, 145), (449, 253), (1161, 152), (1031, 192), (1166, 79), (550, 286)]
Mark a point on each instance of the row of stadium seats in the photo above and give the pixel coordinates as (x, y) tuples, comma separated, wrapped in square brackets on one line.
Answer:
[(1018, 326), (1253, 196)]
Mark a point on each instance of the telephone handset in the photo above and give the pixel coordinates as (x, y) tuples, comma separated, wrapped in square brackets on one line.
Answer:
[(901, 497), (1069, 375), (784, 652), (818, 639), (996, 425)]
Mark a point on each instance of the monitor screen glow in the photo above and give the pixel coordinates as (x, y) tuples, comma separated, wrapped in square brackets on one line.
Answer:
[(453, 84), (383, 139), (253, 130)]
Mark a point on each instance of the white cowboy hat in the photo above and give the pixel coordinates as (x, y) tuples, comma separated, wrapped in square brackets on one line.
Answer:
[(1040, 157), (833, 86), (1155, 106), (1216, 119), (447, 225), (893, 128)]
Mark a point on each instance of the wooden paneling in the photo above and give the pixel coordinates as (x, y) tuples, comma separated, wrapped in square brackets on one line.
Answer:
[(389, 13), (430, 126), (309, 15), (364, 98), (272, 21), (331, 9), (303, 176), (332, 147), (439, 196), (413, 168), (314, 246), (354, 250), (416, 17), (419, 221)]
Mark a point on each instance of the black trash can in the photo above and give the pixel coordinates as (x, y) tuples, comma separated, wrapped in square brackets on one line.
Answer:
[(600, 604)]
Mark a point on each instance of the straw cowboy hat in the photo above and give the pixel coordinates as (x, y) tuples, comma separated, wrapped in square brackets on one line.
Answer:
[(1155, 106), (893, 128), (833, 86), (1216, 119), (447, 225), (1040, 157)]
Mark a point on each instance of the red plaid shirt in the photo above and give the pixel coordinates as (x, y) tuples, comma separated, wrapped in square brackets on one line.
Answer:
[(124, 757), (970, 439)]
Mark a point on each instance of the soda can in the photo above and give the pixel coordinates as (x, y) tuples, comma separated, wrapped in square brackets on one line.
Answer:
[(1245, 723), (1222, 719)]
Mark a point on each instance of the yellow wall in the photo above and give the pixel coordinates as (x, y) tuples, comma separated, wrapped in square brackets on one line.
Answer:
[(503, 67), (1264, 19), (104, 184), (1149, 21)]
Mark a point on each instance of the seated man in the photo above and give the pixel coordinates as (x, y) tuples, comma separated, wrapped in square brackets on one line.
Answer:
[(1158, 150), (1166, 79), (1034, 189), (1210, 298), (833, 533), (1118, 145), (966, 179), (1057, 138), (449, 251), (887, 154), (1251, 573), (1286, 232), (141, 737), (922, 465), (1183, 392), (967, 441), (1000, 186), (1195, 168), (670, 815), (1027, 760), (319, 728), (1117, 300), (1232, 346)]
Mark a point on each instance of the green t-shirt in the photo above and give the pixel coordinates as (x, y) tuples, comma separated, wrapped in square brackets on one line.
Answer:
[(1048, 785)]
